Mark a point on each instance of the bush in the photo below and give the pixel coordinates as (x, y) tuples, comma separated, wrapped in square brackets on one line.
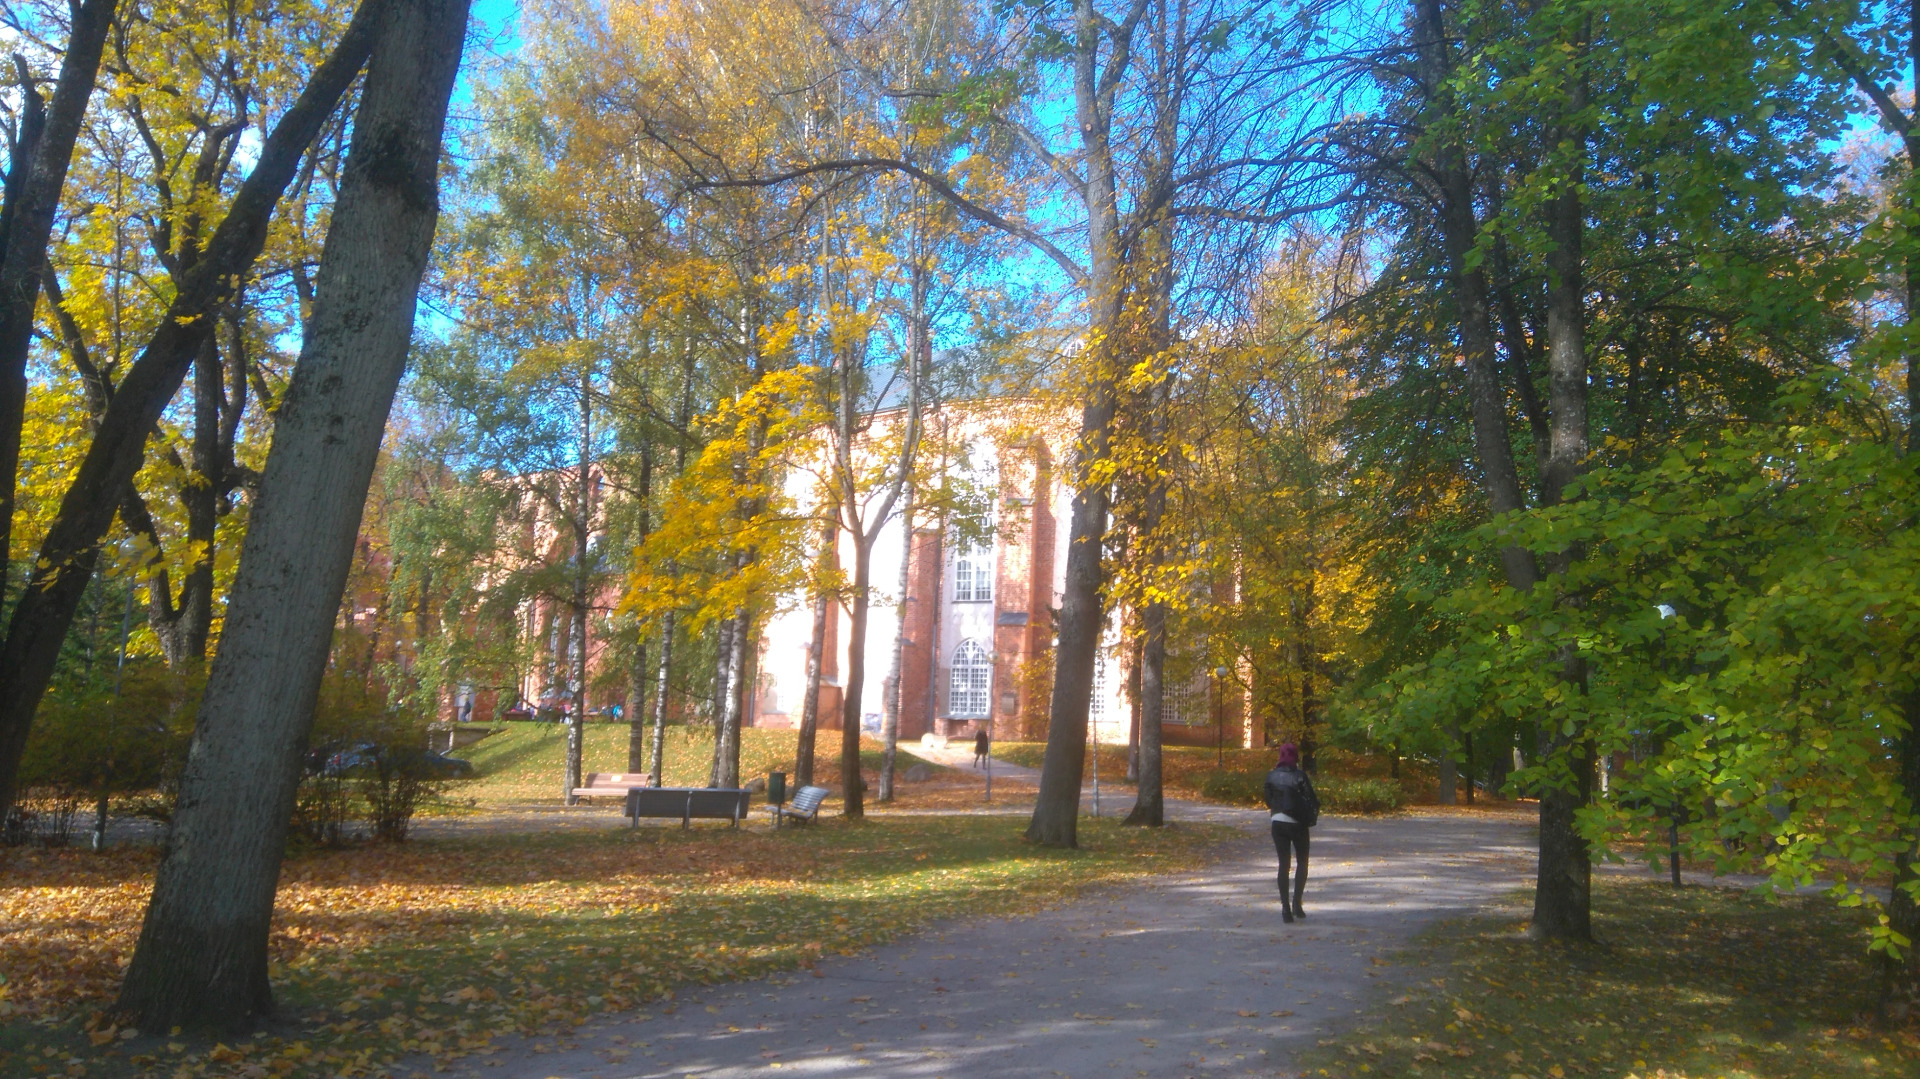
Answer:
[(369, 763), (91, 744), (1234, 788), (1360, 795)]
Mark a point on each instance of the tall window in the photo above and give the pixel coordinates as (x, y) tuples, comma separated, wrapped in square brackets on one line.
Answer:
[(1183, 704), (973, 574), (970, 681)]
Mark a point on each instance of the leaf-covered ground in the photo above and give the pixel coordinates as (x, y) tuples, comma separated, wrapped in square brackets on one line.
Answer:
[(442, 947), (1694, 983)]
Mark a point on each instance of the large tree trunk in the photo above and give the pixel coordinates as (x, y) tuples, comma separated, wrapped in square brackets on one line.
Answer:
[(1562, 903), (1056, 811), (40, 156), (201, 959), (39, 623)]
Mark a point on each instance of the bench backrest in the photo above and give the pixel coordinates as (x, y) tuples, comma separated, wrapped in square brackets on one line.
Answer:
[(807, 799), (616, 779), (695, 802), (720, 803)]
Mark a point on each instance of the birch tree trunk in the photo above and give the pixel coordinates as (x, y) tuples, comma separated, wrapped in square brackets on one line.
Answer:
[(201, 960), (659, 744), (726, 752), (579, 601)]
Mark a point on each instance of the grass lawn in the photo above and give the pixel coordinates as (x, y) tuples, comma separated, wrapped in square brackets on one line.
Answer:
[(1691, 983), (525, 763), (440, 946)]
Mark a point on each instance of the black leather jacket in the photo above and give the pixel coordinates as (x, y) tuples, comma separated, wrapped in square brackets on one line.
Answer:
[(1290, 779)]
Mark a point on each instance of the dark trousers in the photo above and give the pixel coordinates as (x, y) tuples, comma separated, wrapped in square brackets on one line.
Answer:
[(1290, 842)]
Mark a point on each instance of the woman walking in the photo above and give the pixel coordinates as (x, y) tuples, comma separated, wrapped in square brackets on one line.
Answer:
[(1295, 809)]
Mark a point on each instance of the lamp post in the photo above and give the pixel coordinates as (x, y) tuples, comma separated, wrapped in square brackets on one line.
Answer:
[(1220, 717)]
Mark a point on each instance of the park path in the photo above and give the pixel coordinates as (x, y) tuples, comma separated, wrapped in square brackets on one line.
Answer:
[(1188, 975)]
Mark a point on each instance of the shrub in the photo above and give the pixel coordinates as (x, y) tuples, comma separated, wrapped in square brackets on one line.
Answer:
[(1360, 795), (1233, 788), (369, 763), (91, 744)]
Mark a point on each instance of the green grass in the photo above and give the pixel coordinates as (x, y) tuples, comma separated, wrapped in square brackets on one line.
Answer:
[(526, 761), (442, 946), (1691, 983)]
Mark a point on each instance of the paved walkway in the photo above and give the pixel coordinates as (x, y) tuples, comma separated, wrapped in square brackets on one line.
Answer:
[(1190, 975)]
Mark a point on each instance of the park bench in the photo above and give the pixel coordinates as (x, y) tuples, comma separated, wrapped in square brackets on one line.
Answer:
[(804, 807), (610, 784), (706, 803)]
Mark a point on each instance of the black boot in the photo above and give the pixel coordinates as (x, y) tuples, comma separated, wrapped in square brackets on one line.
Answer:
[(1296, 912)]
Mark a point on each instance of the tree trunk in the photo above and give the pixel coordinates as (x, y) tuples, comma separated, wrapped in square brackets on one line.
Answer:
[(201, 960), (40, 156), (722, 692), (852, 683), (1133, 714), (637, 676), (1149, 806), (67, 555), (654, 765), (1056, 811), (1563, 892), (1901, 986), (890, 725), (816, 646), (580, 600), (726, 757)]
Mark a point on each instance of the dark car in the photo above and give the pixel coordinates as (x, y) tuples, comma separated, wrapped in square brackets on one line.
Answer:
[(364, 755)]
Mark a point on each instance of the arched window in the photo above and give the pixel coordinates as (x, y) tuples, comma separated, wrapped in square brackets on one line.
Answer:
[(973, 573), (969, 682)]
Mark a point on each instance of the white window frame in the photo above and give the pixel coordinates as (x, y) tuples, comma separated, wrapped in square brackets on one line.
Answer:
[(970, 682), (973, 573)]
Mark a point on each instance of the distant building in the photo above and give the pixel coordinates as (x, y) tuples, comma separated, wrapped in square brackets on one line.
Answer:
[(979, 613)]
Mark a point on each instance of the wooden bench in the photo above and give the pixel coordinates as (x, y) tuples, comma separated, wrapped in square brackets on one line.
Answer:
[(804, 807), (706, 803), (610, 784)]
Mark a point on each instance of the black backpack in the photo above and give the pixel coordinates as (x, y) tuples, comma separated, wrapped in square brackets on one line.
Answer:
[(1289, 792)]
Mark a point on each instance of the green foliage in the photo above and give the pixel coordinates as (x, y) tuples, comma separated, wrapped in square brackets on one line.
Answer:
[(1745, 610), (1359, 796), (91, 744)]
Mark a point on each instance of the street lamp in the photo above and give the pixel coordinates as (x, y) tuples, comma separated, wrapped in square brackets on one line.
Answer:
[(1220, 717)]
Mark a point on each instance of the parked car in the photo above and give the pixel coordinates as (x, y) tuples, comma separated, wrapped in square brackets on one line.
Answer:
[(361, 755)]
